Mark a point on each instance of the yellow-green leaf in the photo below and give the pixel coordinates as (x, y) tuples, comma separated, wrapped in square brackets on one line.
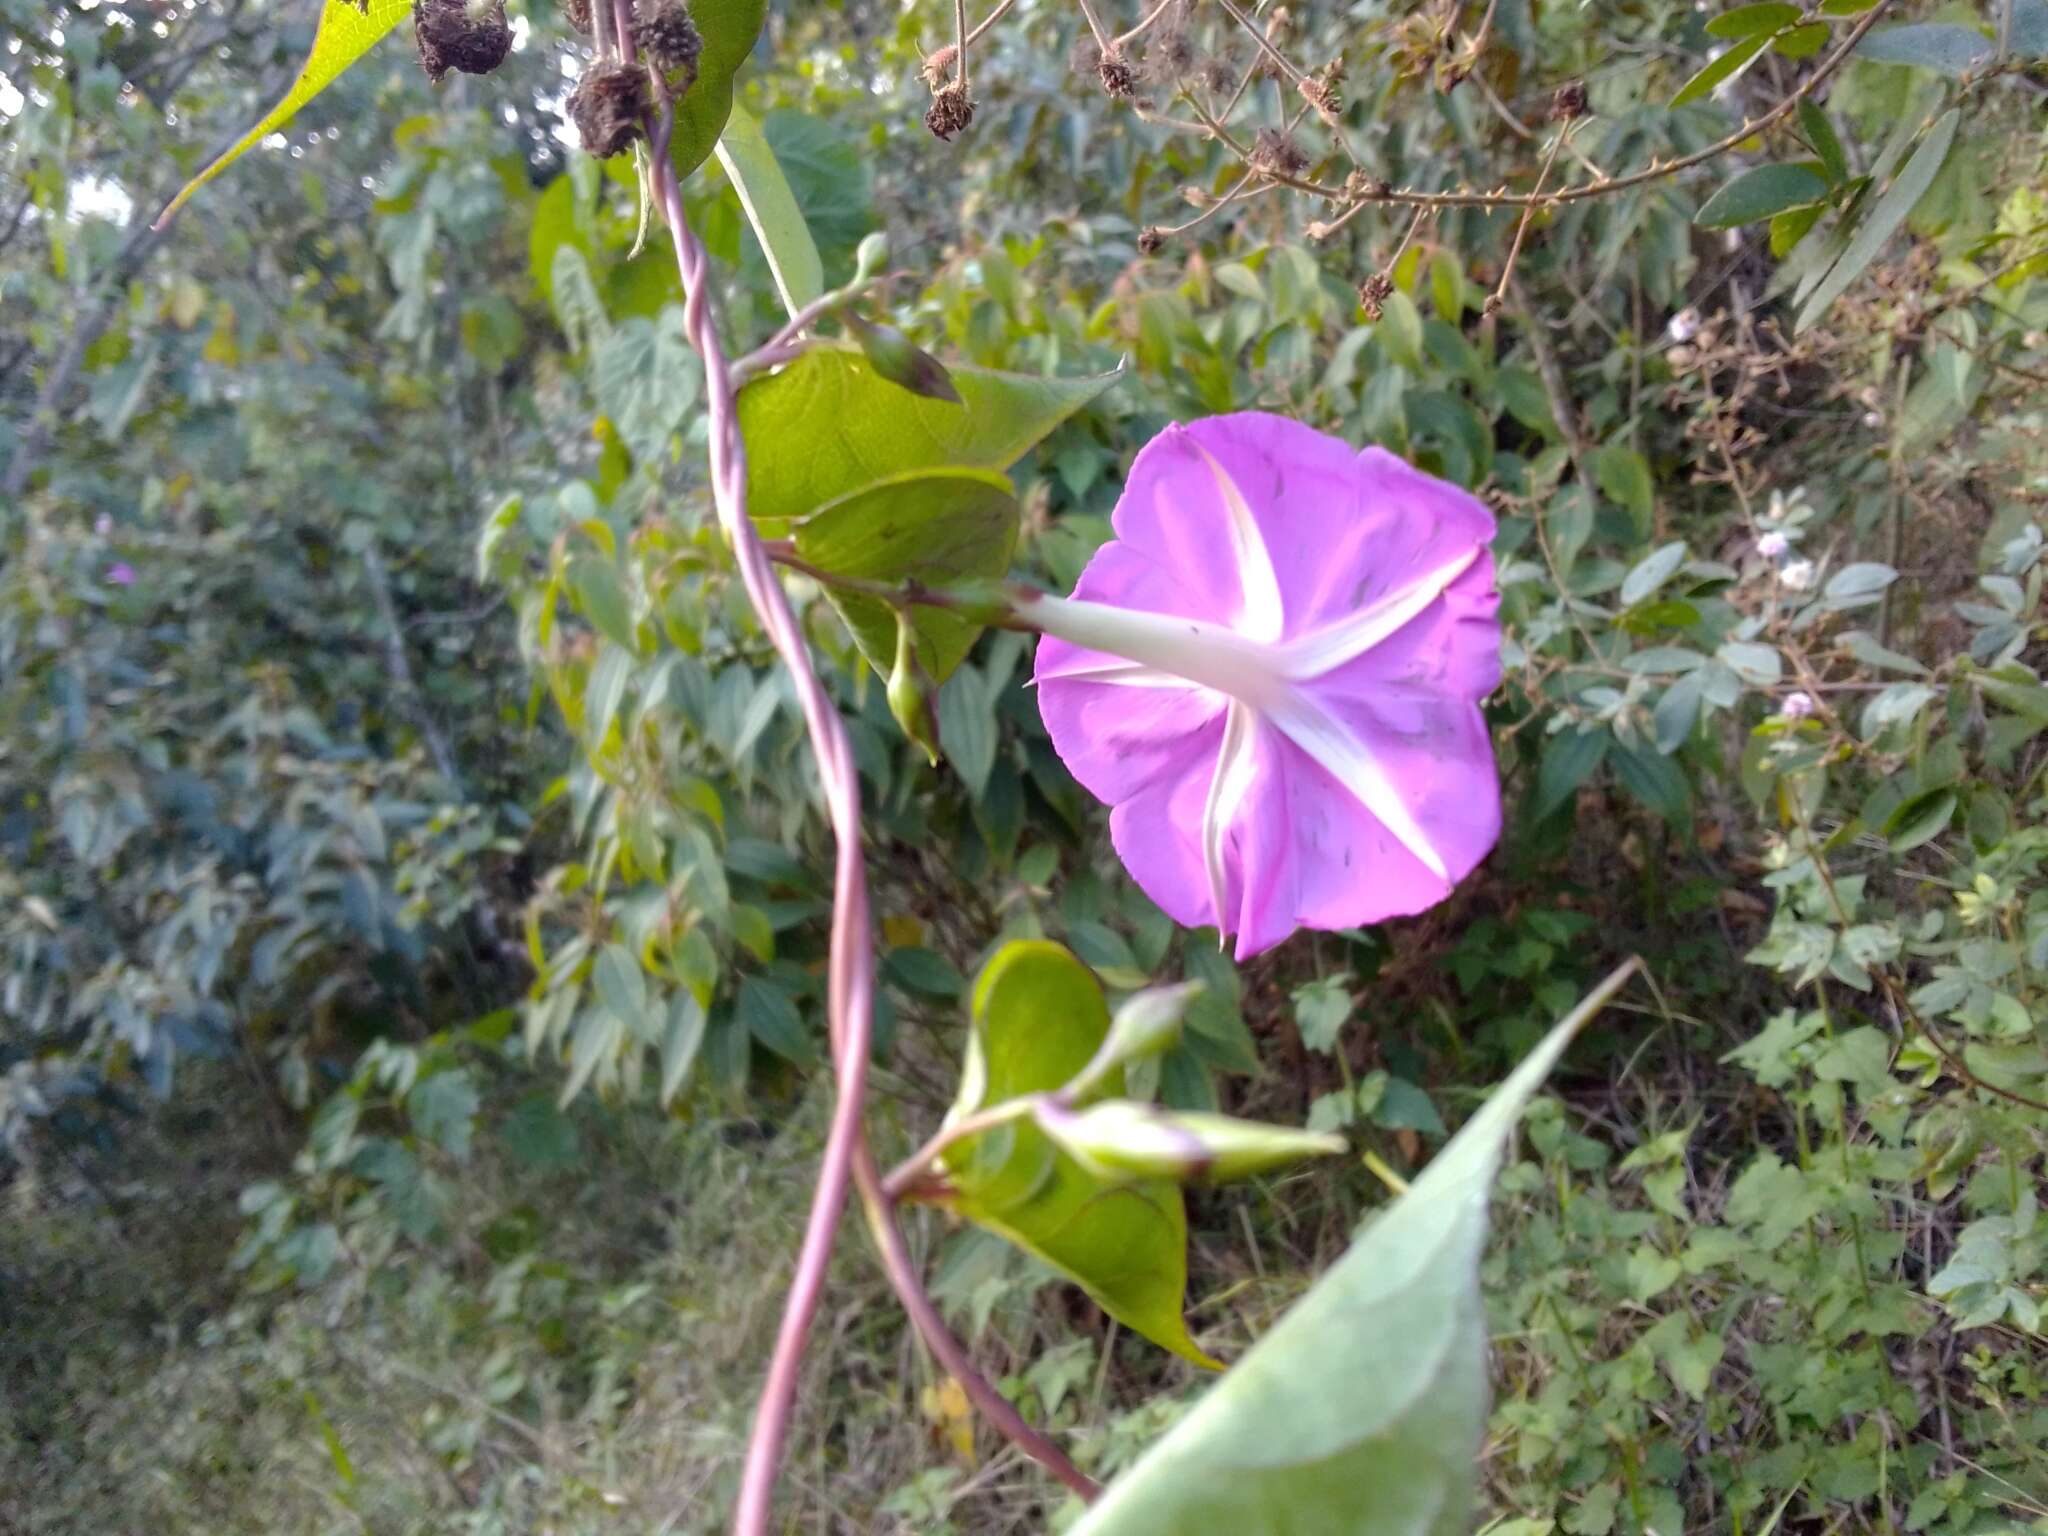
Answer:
[(728, 28), (936, 527), (1038, 1019), (347, 32)]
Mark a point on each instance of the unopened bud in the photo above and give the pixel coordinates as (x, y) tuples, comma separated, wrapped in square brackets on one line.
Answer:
[(1147, 1025), (901, 361), (1119, 1139), (870, 257), (910, 692)]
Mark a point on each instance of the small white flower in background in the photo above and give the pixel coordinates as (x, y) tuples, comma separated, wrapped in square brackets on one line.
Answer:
[(1797, 706), (1684, 325), (1873, 419), (1772, 545), (103, 525), (1797, 576)]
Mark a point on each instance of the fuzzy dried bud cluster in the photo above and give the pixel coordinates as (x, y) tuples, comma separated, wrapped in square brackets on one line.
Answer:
[(665, 34), (1150, 240), (609, 107), (950, 112), (1373, 294), (452, 35), (937, 68), (1169, 56), (1570, 102), (1322, 95), (1278, 154)]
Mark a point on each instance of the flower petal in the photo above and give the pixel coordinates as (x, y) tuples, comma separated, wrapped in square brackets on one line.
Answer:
[(1119, 739), (1434, 754), (1186, 515), (1229, 783)]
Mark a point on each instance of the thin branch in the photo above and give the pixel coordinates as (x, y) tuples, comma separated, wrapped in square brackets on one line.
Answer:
[(1280, 60)]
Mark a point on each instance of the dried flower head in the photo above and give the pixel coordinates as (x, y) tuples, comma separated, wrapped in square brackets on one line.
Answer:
[(1169, 56), (1361, 188), (1372, 295), (1115, 72), (937, 68), (1150, 239), (1277, 153), (1322, 96), (608, 107), (1219, 74), (451, 35), (665, 34), (950, 112), (1570, 101)]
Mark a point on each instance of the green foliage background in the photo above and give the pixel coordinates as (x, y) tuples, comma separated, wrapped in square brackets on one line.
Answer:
[(412, 890)]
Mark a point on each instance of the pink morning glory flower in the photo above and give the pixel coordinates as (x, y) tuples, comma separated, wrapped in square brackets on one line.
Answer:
[(1273, 675)]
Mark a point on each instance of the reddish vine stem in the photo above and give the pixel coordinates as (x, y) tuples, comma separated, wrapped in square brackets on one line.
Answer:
[(850, 983)]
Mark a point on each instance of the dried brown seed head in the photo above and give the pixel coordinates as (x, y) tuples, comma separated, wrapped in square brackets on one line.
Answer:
[(577, 14), (1570, 101), (1115, 72), (1277, 154), (1169, 56), (451, 35), (608, 107), (950, 112), (1322, 97), (1372, 295), (1150, 239)]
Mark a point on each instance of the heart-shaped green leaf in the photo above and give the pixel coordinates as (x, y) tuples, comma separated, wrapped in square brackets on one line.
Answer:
[(347, 31), (1038, 1019), (827, 426), (1361, 1414), (932, 526), (728, 28)]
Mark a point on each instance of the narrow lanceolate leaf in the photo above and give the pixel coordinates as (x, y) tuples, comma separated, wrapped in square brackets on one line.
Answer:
[(347, 32), (1760, 193), (1361, 1414), (1038, 1018), (1723, 68), (1885, 217), (772, 209)]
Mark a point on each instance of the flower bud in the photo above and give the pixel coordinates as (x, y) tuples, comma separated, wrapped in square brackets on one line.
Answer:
[(1119, 1139), (901, 361), (870, 257), (910, 692), (1148, 1024)]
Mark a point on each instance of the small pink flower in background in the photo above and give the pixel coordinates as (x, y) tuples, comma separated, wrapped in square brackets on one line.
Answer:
[(1797, 706), (121, 574), (1772, 545), (1273, 675)]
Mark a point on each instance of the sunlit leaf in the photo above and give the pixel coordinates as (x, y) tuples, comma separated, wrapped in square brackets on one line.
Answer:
[(728, 29), (931, 526), (1362, 1412), (772, 210), (827, 426), (1038, 1018), (346, 33)]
